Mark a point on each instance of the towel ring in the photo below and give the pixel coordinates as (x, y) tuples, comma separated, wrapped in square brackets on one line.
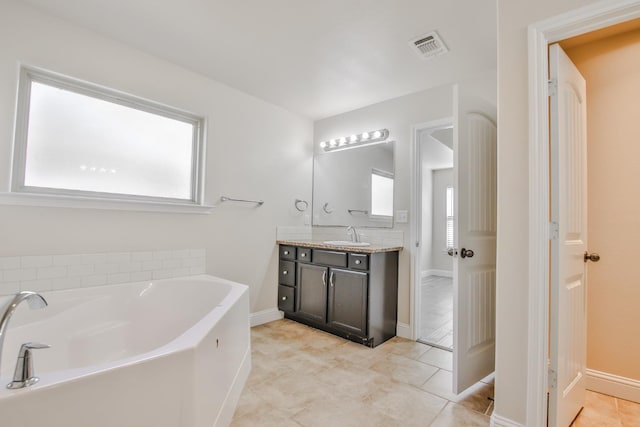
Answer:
[(301, 205)]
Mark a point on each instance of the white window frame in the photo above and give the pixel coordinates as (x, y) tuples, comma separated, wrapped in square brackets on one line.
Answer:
[(20, 194), (384, 174)]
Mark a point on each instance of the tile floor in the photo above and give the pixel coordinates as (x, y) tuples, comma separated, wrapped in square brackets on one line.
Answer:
[(601, 410), (436, 322), (304, 377)]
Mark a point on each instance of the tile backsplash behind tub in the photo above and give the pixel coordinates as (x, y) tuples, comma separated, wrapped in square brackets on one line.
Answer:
[(54, 272)]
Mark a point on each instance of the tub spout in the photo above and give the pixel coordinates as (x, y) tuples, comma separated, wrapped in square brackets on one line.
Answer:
[(34, 300)]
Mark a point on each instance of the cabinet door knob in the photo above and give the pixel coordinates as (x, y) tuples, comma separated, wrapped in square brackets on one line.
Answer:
[(284, 298), (285, 272), (358, 262), (303, 255), (286, 252)]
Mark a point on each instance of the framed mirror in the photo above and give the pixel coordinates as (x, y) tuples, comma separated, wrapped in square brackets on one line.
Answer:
[(354, 186)]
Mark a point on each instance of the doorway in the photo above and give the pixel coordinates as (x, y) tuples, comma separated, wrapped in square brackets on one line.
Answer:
[(437, 230), (576, 23)]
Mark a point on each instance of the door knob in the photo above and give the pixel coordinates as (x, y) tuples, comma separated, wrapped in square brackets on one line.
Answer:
[(466, 253), (594, 257), (452, 252)]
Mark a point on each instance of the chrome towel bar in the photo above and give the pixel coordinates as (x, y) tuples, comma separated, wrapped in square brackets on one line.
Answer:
[(230, 199)]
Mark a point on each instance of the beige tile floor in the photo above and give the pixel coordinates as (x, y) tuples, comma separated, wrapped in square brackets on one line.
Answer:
[(602, 410), (304, 377)]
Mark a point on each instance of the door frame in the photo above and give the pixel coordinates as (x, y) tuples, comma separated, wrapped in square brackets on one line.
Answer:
[(415, 234), (541, 35)]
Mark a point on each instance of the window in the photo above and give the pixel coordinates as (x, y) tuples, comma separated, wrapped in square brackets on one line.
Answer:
[(450, 217), (78, 139), (381, 193)]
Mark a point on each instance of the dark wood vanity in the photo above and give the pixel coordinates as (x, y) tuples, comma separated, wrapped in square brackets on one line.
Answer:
[(351, 292)]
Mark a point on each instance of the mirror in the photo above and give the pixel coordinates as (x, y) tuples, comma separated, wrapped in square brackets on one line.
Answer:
[(354, 186)]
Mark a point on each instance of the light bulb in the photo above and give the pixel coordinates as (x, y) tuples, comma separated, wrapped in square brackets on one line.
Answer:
[(343, 140), (83, 167), (365, 136), (323, 144), (92, 168), (333, 143), (103, 170), (352, 139), (112, 171), (377, 134)]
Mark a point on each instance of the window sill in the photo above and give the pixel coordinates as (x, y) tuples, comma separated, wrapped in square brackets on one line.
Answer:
[(64, 201)]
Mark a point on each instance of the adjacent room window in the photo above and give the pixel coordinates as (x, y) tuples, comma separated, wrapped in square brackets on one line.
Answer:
[(450, 217), (381, 193), (78, 139)]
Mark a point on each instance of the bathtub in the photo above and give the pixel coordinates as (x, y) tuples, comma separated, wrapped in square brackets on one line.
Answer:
[(162, 353)]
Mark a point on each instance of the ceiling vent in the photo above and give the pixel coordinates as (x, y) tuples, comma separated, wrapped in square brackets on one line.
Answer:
[(429, 45)]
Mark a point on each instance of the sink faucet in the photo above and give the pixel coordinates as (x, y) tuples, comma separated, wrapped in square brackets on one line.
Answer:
[(351, 231), (35, 301)]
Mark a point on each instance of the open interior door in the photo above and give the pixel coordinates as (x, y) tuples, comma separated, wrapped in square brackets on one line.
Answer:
[(568, 133), (474, 270)]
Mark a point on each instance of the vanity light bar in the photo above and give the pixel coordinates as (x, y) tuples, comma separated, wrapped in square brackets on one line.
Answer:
[(364, 138)]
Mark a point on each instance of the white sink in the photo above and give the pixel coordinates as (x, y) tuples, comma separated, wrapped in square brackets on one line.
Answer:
[(346, 243)]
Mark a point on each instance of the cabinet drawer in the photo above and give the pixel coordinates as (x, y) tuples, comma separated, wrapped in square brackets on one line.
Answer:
[(332, 258), (287, 273), (286, 298), (304, 254), (287, 252), (359, 261)]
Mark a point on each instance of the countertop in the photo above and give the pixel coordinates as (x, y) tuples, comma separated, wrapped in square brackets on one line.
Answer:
[(372, 249)]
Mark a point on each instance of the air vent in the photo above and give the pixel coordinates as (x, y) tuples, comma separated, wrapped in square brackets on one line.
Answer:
[(429, 45)]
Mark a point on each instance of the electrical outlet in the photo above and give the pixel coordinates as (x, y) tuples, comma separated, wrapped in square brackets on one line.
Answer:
[(402, 217)]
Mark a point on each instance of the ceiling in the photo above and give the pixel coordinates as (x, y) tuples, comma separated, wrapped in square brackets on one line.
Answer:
[(317, 58)]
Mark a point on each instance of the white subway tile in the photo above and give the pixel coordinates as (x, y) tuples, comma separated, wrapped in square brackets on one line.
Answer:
[(161, 255), (59, 260), (151, 265), (141, 256), (51, 272), (36, 285), (118, 278), (9, 263), (118, 257), (196, 270), (162, 274), (20, 275), (128, 267), (9, 288), (182, 253), (171, 263), (193, 262), (197, 253), (140, 276), (181, 272), (94, 258), (106, 269), (96, 280), (80, 270), (36, 261), (66, 283)]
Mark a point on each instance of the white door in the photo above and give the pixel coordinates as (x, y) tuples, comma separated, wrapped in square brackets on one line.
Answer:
[(568, 133), (474, 270)]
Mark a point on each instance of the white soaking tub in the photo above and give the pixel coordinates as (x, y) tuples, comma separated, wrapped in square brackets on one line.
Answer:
[(162, 353)]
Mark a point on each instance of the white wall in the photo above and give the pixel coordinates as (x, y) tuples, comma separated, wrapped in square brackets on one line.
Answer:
[(514, 16), (254, 150)]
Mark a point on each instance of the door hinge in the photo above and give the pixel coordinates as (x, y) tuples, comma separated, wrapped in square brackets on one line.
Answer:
[(552, 87), (552, 378), (554, 230), (417, 244)]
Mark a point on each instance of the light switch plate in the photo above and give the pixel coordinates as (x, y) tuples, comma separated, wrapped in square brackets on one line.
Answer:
[(402, 217)]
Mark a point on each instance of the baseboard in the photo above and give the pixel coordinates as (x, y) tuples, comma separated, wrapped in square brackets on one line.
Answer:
[(403, 330), (613, 385), (499, 421), (265, 316), (435, 272)]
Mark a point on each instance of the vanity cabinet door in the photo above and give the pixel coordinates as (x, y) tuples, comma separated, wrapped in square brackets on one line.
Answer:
[(311, 295), (348, 301)]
